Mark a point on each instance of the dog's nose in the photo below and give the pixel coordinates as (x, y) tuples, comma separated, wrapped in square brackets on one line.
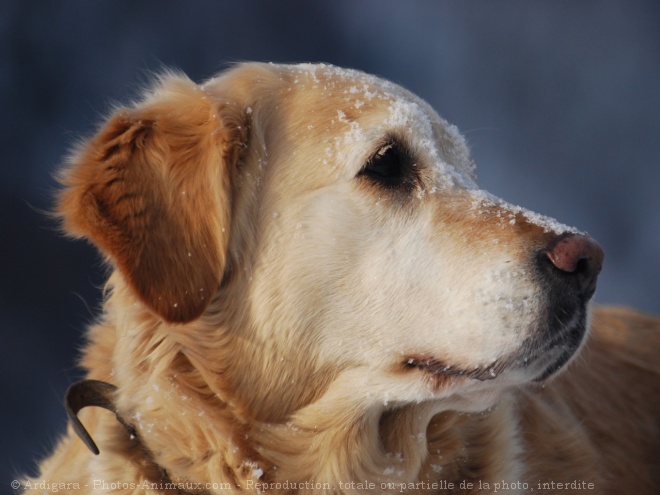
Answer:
[(580, 257)]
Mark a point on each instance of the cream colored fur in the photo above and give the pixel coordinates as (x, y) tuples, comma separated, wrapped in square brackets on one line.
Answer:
[(266, 299)]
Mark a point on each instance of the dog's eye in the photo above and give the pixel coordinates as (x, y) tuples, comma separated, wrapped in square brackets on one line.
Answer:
[(390, 167)]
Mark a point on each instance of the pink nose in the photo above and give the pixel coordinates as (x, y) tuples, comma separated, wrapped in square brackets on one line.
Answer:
[(579, 256)]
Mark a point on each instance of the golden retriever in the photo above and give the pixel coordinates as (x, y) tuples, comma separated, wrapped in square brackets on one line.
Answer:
[(310, 294)]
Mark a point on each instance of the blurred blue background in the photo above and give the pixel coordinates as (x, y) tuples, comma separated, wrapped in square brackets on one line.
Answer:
[(560, 102)]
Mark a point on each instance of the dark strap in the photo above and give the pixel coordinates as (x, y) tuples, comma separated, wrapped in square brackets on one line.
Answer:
[(91, 393)]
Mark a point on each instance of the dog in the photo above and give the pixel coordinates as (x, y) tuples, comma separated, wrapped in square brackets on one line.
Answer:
[(309, 293)]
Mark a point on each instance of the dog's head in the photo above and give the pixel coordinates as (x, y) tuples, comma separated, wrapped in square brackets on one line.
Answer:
[(299, 227)]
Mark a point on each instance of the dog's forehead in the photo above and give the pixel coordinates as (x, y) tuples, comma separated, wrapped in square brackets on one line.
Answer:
[(358, 96), (329, 78)]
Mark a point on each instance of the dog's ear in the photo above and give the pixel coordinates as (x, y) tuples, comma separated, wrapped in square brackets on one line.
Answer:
[(152, 191)]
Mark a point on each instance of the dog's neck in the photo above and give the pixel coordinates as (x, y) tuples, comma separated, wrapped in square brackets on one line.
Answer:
[(338, 452)]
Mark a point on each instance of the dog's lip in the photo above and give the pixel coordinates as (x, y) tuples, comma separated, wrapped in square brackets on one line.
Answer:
[(557, 352), (554, 366), (556, 362), (441, 368)]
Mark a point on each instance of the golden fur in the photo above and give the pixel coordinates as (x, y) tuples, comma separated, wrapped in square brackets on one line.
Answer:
[(271, 309)]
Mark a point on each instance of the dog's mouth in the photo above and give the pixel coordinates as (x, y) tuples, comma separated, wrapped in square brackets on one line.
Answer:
[(441, 369), (538, 360)]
